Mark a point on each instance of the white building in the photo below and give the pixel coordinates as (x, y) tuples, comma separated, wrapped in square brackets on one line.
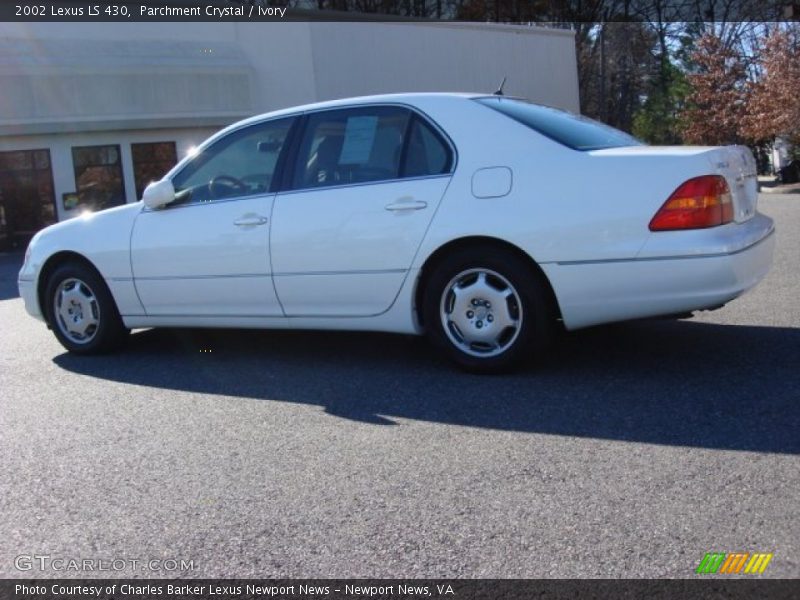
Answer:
[(91, 112)]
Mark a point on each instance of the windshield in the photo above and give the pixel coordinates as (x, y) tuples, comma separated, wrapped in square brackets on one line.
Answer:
[(574, 131)]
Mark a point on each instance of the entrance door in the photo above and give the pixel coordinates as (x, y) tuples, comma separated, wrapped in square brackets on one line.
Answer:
[(27, 200)]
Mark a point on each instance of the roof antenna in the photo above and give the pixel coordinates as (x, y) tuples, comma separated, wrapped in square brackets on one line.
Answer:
[(499, 91)]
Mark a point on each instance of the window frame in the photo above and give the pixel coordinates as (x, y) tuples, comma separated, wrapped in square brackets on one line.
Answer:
[(277, 177), (438, 135), (291, 163), (287, 161)]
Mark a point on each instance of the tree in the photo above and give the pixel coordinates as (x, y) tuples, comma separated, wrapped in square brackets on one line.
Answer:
[(657, 122), (773, 107), (618, 72), (716, 101)]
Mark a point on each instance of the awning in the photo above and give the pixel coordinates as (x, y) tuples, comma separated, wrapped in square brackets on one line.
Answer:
[(63, 85)]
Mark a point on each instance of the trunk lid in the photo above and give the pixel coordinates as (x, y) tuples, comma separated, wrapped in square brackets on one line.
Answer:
[(737, 165)]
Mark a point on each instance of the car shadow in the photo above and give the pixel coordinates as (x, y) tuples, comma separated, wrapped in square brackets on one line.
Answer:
[(678, 383)]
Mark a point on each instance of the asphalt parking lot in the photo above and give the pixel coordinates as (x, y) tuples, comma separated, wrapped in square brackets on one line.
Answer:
[(631, 452)]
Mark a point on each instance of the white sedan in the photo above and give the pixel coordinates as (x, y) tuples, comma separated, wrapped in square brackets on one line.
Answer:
[(480, 221)]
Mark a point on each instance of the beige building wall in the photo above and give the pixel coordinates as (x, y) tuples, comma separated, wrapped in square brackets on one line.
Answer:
[(538, 63), (79, 84)]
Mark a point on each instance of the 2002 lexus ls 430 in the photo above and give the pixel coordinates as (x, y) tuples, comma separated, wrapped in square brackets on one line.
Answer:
[(480, 221)]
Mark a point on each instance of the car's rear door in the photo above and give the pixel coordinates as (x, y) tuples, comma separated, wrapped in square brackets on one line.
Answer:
[(366, 183)]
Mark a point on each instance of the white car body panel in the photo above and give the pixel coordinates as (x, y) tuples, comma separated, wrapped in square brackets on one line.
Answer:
[(592, 292), (335, 258), (555, 214), (492, 182), (103, 238), (196, 260), (345, 251), (397, 319)]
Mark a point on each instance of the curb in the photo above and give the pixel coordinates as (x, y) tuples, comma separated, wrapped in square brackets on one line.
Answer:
[(780, 189)]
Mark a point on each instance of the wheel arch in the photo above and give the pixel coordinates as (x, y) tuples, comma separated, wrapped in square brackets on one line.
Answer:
[(52, 263), (440, 253)]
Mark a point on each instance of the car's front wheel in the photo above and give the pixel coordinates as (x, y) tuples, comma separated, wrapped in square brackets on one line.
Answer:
[(487, 308), (81, 310)]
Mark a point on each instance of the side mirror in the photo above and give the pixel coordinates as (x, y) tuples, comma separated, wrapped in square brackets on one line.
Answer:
[(158, 194)]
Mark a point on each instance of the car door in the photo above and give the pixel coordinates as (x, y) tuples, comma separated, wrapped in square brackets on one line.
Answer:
[(207, 253), (365, 184)]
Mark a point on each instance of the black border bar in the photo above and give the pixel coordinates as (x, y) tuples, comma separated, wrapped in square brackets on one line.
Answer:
[(550, 11), (712, 587)]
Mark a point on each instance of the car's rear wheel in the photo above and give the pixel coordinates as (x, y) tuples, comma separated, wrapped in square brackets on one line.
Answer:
[(488, 309), (81, 310)]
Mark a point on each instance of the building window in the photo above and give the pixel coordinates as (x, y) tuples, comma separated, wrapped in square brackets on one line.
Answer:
[(151, 161), (98, 176), (27, 200)]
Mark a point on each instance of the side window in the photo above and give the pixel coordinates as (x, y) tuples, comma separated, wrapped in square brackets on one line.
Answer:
[(427, 154), (240, 164), (355, 145)]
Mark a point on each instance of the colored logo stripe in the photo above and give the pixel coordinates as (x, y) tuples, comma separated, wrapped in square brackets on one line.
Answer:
[(734, 562), (758, 563), (711, 562), (721, 562)]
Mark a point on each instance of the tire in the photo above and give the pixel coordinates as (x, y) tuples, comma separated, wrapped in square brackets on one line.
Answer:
[(488, 310), (81, 311)]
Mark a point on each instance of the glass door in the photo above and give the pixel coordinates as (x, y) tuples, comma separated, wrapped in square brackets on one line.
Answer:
[(27, 199)]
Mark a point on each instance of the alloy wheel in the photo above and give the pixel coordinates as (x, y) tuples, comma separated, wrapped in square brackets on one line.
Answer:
[(481, 312), (76, 310)]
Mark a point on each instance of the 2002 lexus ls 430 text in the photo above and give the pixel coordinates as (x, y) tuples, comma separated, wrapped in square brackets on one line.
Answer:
[(481, 221)]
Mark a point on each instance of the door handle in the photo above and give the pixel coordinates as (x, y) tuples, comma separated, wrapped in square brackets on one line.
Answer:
[(406, 204), (250, 221)]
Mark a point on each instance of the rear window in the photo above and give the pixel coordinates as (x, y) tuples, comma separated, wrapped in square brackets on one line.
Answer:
[(575, 131)]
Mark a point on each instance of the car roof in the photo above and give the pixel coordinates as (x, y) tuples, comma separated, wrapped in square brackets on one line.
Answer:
[(406, 98)]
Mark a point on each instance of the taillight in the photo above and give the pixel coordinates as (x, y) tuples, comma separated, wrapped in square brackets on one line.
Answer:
[(698, 203)]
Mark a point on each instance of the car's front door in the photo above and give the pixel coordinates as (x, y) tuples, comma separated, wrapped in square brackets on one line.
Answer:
[(207, 254), (366, 182)]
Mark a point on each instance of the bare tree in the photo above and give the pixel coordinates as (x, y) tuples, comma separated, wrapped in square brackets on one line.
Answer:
[(773, 106), (715, 105)]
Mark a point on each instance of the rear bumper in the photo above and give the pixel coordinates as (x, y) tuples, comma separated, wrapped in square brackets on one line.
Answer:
[(595, 292)]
